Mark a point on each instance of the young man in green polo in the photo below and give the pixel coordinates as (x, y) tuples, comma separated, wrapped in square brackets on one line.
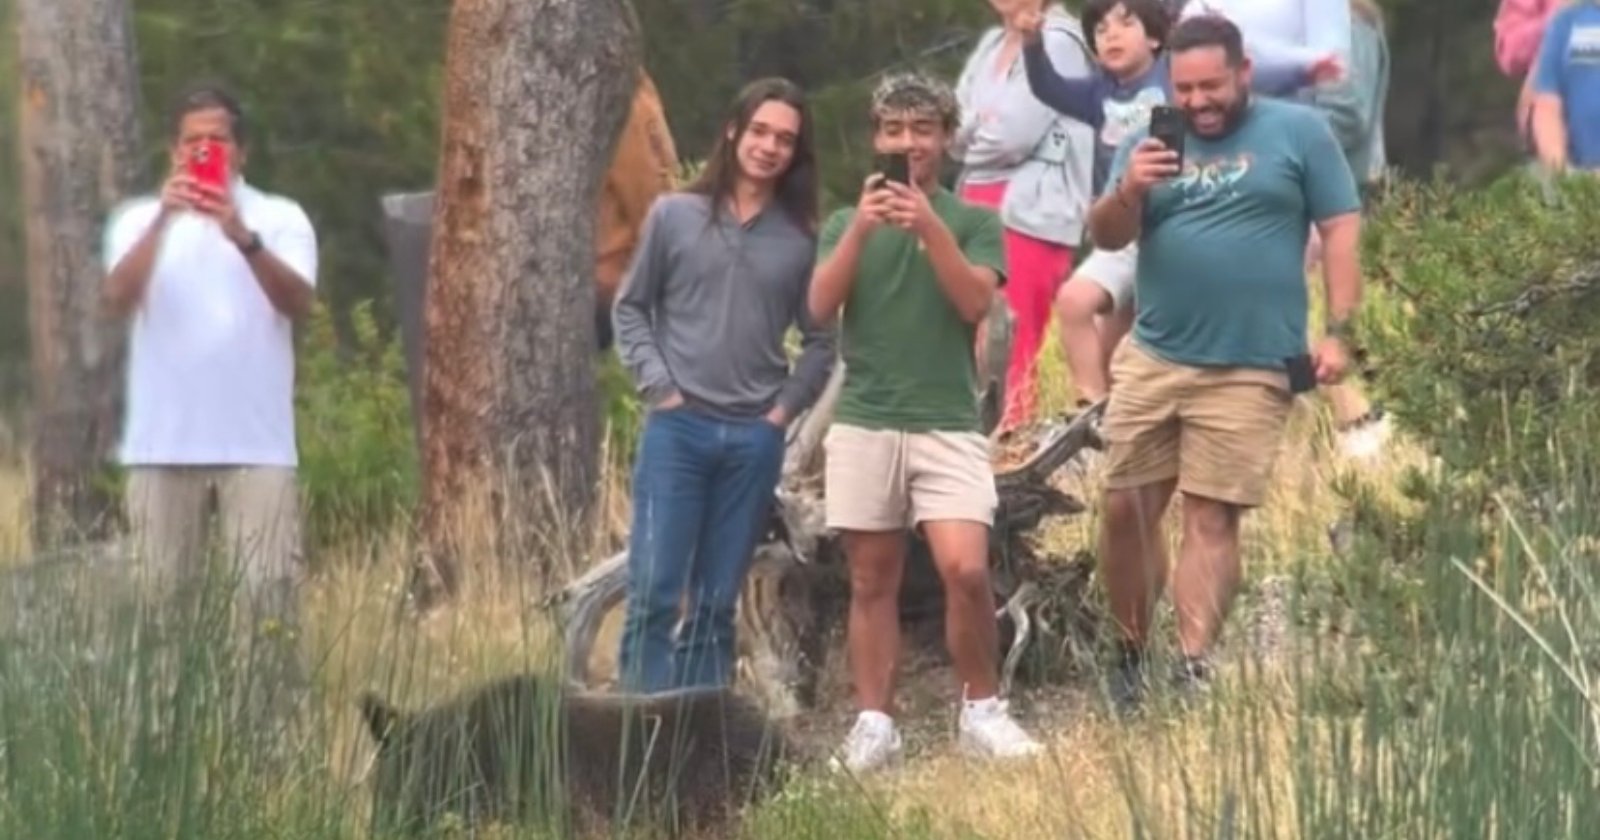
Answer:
[(914, 270)]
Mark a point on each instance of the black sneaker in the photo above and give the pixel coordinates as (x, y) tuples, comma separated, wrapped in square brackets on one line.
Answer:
[(1191, 679), (1128, 686)]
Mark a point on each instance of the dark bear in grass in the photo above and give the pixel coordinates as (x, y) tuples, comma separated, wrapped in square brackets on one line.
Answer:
[(683, 761)]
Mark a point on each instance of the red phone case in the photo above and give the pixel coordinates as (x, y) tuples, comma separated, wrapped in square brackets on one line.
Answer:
[(209, 164)]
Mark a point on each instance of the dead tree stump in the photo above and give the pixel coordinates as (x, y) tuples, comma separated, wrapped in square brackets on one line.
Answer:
[(796, 599)]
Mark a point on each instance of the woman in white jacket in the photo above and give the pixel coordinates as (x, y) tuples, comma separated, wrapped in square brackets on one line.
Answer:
[(1287, 31), (1035, 167)]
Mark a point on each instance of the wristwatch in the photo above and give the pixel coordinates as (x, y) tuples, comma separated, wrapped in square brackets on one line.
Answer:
[(250, 248), (1342, 329)]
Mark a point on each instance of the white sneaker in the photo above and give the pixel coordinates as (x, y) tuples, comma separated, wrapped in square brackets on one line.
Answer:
[(1364, 441), (988, 730), (873, 743)]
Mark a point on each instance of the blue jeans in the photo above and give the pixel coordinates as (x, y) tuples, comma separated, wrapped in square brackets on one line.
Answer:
[(702, 491)]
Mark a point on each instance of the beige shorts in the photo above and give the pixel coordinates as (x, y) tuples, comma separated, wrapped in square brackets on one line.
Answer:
[(886, 480), (1216, 430)]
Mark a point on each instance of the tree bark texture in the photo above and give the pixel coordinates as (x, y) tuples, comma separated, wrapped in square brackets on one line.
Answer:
[(535, 96), (78, 143), (10, 213)]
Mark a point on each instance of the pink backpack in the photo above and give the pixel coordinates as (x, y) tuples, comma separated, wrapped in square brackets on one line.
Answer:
[(1518, 29)]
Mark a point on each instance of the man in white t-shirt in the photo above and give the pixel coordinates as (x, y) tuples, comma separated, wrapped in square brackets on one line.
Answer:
[(212, 278)]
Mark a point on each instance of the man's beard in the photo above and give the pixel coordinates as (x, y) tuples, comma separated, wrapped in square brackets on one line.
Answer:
[(1232, 115)]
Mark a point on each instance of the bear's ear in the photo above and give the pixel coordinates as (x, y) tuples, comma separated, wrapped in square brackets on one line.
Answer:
[(381, 717)]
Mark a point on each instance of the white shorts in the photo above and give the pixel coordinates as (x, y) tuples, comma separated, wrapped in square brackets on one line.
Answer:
[(1113, 271)]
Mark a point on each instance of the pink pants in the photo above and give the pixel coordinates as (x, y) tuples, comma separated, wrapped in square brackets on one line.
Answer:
[(1034, 270)]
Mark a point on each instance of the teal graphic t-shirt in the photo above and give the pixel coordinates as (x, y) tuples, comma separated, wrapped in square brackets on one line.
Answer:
[(1221, 278)]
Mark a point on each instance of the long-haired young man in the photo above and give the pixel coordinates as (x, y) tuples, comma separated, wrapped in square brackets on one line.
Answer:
[(721, 274)]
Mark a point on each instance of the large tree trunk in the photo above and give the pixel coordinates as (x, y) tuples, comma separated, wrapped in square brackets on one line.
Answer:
[(79, 136), (536, 92)]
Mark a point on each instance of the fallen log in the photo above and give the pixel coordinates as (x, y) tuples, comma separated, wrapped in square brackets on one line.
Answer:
[(798, 586)]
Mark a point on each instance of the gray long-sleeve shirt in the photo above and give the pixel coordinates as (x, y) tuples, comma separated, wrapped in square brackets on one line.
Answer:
[(705, 306)]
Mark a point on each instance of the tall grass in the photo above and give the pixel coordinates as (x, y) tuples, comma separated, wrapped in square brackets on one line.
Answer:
[(1436, 686), (121, 719), (1481, 720)]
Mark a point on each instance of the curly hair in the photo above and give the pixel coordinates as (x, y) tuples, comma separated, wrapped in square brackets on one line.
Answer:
[(917, 93)]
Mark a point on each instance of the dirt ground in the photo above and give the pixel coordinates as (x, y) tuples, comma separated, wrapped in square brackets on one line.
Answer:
[(927, 697)]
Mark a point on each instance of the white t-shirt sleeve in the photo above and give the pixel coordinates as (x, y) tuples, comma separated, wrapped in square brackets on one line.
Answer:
[(294, 241), (127, 224)]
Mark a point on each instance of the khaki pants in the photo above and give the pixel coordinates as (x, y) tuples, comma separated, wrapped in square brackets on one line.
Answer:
[(258, 518), (258, 514), (257, 510)]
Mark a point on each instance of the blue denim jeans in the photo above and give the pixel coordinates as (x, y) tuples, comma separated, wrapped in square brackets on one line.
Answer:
[(702, 491)]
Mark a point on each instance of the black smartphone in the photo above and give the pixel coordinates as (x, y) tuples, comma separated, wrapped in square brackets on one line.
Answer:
[(1302, 373), (1166, 125), (896, 167)]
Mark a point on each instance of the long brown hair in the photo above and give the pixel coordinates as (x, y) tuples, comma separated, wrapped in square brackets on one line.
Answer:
[(797, 191)]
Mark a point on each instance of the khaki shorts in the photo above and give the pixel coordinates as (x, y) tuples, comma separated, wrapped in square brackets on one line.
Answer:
[(1215, 430), (886, 480)]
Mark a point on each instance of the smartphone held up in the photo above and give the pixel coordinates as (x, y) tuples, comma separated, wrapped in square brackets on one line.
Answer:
[(208, 164), (1166, 125), (895, 167)]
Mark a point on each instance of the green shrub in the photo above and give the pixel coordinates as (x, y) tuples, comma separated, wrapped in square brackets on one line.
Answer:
[(621, 410), (358, 452), (359, 464), (1479, 324), (1483, 325)]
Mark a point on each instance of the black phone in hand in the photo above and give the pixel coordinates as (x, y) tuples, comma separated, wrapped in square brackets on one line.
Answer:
[(895, 167), (1167, 125)]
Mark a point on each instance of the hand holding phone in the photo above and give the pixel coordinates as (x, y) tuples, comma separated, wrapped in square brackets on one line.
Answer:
[(895, 167), (872, 209), (1167, 125), (1150, 164), (208, 165)]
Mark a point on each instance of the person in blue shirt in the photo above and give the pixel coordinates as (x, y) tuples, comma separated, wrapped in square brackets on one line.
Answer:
[(1094, 309), (1203, 385), (1566, 85)]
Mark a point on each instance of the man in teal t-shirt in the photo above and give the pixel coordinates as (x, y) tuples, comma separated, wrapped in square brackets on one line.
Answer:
[(1203, 388), (914, 270)]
